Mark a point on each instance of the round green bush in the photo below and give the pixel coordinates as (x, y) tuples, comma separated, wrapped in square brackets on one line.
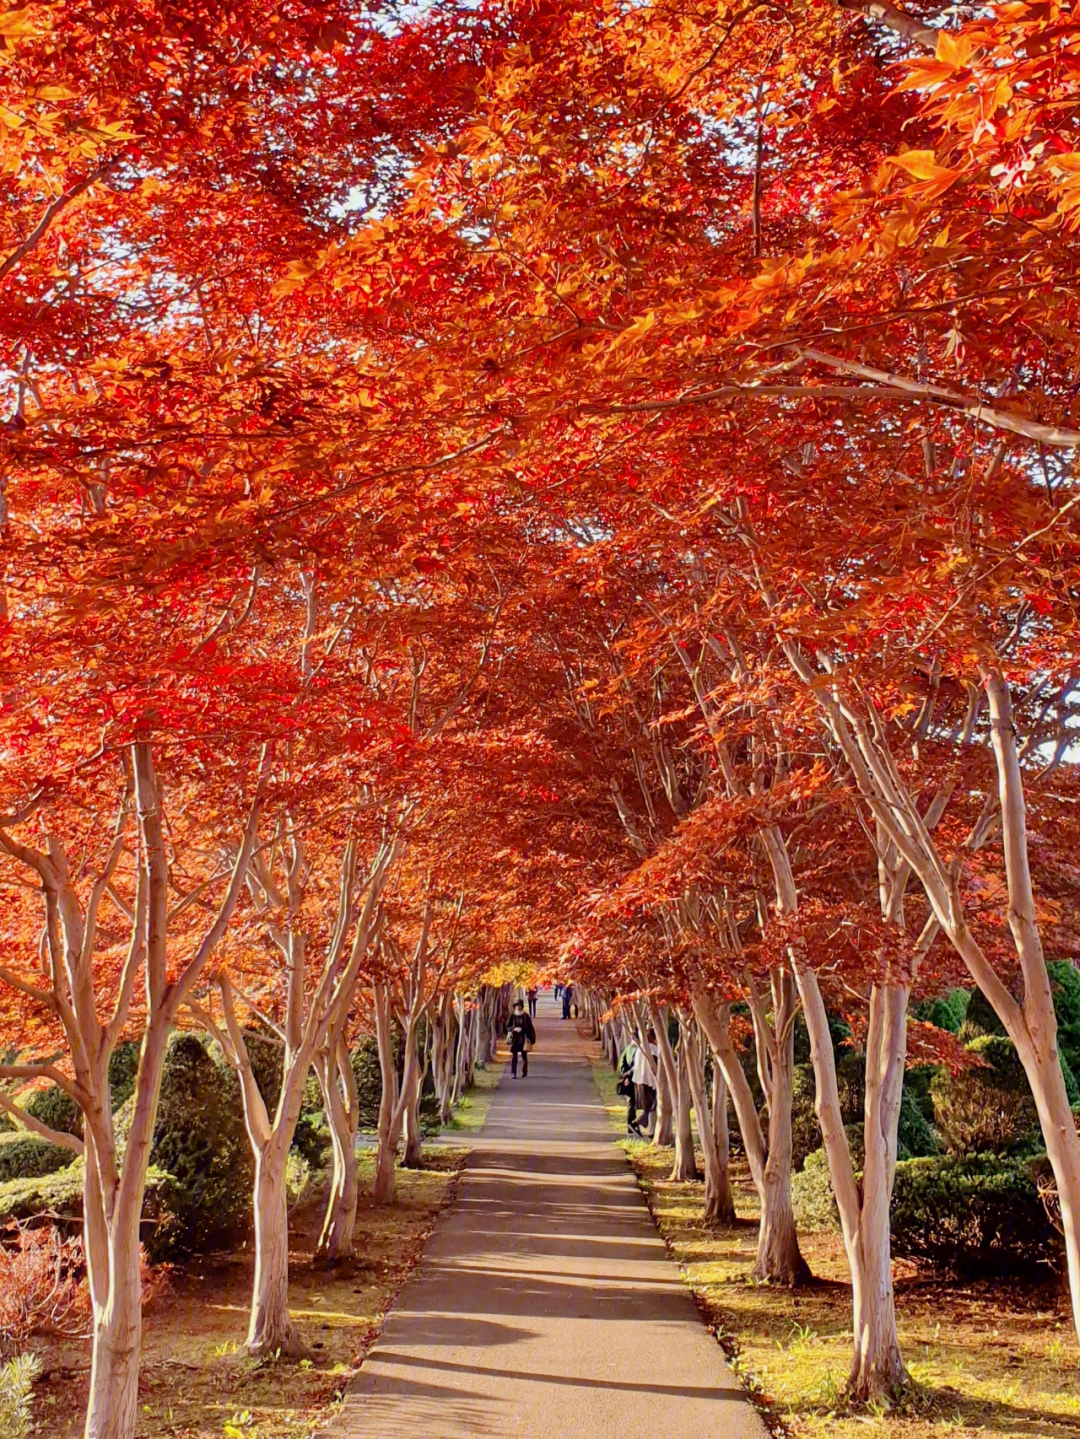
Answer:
[(972, 1215), (56, 1108), (812, 1195), (28, 1156), (202, 1146)]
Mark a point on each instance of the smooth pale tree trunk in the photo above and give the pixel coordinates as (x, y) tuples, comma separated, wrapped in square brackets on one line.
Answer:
[(718, 1206), (664, 1129), (684, 1167), (384, 1189), (778, 1259), (877, 1367), (112, 1214), (725, 1203), (338, 1083), (409, 1099), (271, 1331)]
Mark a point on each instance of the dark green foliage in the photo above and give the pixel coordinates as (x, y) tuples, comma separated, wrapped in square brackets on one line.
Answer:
[(201, 1144), (28, 1156), (312, 1138), (56, 1108), (1072, 1089), (988, 1109), (365, 1067), (972, 1216), (58, 1194), (805, 1131), (980, 1017), (123, 1070), (851, 1082), (948, 1011), (268, 1066), (1066, 982), (914, 1135)]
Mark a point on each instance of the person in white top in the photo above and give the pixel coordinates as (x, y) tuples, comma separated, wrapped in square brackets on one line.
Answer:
[(644, 1077)]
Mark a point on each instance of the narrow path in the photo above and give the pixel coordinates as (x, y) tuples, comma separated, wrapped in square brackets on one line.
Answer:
[(545, 1304)]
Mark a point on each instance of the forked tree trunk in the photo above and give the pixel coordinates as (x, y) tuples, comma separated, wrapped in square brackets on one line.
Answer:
[(778, 1259)]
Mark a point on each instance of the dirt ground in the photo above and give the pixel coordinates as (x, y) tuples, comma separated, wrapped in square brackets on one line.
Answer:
[(998, 1360)]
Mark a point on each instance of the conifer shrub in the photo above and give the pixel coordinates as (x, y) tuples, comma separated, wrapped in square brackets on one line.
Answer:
[(203, 1202), (973, 1216), (56, 1108), (29, 1156), (988, 1109)]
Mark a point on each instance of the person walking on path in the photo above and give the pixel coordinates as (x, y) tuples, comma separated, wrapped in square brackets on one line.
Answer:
[(520, 1033), (532, 995), (644, 1077), (567, 996), (626, 1088)]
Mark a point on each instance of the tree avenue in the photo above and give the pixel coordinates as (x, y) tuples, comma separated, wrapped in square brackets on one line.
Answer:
[(531, 489)]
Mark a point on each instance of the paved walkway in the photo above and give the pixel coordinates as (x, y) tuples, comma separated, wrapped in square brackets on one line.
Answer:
[(545, 1304)]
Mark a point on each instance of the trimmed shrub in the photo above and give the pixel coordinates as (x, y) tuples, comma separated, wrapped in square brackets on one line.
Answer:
[(56, 1108), (988, 1110), (201, 1144), (1066, 983), (914, 1135), (123, 1069), (59, 1194), (28, 1156), (812, 1195), (972, 1215), (805, 1131)]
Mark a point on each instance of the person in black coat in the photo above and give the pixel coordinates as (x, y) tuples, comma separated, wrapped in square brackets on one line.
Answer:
[(519, 1033)]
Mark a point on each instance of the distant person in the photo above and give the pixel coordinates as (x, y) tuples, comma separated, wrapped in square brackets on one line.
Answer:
[(520, 1033), (625, 1087), (558, 991), (532, 995), (644, 1077), (567, 996)]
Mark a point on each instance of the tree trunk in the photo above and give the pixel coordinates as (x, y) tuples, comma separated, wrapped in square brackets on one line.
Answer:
[(270, 1329), (664, 1129), (384, 1189), (718, 1206), (112, 1210), (409, 1100), (336, 1241), (779, 1260), (724, 1204), (684, 1168), (113, 1405)]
